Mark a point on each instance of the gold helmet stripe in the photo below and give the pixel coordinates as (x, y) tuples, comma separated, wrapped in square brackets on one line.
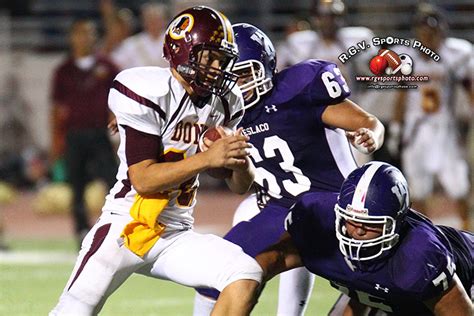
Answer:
[(227, 27)]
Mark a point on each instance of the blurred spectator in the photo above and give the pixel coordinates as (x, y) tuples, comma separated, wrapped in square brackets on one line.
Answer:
[(425, 120), (118, 24), (145, 48), (22, 164), (327, 40), (80, 115), (298, 24)]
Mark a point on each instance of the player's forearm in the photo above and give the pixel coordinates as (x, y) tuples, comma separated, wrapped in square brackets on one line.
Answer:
[(150, 177), (454, 301), (348, 116), (242, 180)]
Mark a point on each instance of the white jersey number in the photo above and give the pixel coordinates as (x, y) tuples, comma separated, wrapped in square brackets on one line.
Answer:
[(271, 145), (443, 278), (332, 86), (364, 298)]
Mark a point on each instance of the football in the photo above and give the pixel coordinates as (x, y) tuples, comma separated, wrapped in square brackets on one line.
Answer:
[(213, 134), (392, 58)]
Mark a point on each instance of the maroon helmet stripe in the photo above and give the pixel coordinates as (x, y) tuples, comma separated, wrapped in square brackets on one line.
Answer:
[(97, 241), (117, 85)]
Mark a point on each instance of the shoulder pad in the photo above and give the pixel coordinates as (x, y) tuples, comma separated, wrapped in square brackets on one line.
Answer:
[(149, 82), (306, 76), (422, 265)]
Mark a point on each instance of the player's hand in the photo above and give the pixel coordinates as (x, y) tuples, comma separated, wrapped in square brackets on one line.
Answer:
[(230, 151), (363, 140), (113, 127), (206, 142)]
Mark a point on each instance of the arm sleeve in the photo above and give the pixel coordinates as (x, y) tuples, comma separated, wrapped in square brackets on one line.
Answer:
[(328, 86), (440, 277), (140, 146), (325, 87), (428, 272)]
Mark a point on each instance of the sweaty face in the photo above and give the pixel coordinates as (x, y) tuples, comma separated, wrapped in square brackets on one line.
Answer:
[(217, 60), (361, 231), (211, 70)]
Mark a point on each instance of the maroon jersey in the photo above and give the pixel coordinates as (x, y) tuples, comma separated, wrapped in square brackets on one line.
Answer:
[(83, 93)]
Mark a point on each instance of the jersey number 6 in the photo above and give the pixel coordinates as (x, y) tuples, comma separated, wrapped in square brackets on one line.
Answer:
[(333, 86)]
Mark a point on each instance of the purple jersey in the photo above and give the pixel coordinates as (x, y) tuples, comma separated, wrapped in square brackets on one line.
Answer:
[(421, 266), (293, 150)]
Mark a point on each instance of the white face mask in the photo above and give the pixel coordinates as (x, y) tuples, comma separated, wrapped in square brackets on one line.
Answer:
[(368, 249), (255, 84)]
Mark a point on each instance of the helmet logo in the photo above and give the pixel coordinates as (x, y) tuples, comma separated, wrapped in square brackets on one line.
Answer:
[(217, 35), (351, 209), (180, 26), (401, 193)]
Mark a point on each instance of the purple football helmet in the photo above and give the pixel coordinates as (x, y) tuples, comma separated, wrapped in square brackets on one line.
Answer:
[(374, 194), (256, 63)]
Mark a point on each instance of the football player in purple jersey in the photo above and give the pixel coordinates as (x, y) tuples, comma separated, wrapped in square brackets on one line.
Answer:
[(301, 125), (386, 258)]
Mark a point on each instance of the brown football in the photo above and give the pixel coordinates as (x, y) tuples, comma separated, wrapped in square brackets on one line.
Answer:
[(213, 134), (392, 58)]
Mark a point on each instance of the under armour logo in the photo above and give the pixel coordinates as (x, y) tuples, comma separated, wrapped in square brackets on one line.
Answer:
[(378, 287), (270, 108)]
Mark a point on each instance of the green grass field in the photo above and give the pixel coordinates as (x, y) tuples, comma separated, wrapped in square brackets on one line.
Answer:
[(33, 289)]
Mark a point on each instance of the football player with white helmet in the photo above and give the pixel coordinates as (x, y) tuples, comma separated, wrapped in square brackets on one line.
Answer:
[(301, 126), (385, 258), (147, 220)]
